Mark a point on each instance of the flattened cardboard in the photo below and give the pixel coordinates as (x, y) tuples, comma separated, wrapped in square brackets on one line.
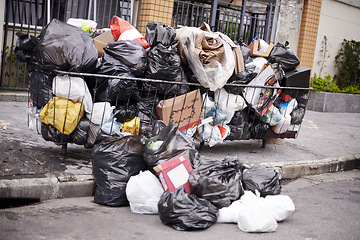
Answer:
[(102, 40), (183, 110), (255, 46), (174, 173)]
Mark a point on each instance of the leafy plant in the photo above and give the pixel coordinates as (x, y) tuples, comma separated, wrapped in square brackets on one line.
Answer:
[(324, 52), (323, 84), (348, 64), (14, 70)]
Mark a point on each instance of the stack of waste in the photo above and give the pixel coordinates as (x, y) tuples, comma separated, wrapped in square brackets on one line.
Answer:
[(141, 103)]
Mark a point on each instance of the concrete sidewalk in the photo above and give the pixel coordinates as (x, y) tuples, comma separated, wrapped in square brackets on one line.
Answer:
[(31, 167)]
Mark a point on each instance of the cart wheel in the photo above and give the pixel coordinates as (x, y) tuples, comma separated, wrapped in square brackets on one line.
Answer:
[(263, 145), (63, 148)]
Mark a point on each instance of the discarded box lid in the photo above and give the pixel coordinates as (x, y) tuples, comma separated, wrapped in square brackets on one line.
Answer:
[(255, 52), (174, 173), (102, 40)]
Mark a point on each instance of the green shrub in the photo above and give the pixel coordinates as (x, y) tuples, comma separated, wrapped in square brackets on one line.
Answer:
[(348, 64), (323, 84)]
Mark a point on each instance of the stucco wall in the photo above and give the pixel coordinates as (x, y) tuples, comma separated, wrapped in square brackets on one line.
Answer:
[(338, 21)]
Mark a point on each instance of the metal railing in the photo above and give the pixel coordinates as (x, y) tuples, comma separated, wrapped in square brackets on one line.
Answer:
[(30, 16), (246, 21)]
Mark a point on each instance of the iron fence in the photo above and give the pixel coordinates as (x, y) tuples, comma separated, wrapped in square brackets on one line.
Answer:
[(30, 16), (245, 21)]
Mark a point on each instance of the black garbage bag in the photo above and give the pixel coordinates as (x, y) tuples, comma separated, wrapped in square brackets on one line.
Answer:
[(284, 56), (114, 161), (297, 115), (239, 126), (265, 180), (65, 47), (218, 181), (50, 133), (165, 64), (131, 54), (25, 46), (40, 87), (80, 134), (125, 112), (114, 90), (167, 144), (156, 33), (183, 211), (246, 51), (146, 106)]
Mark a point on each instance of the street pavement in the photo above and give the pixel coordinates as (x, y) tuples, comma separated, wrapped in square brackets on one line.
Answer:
[(33, 168), (327, 206)]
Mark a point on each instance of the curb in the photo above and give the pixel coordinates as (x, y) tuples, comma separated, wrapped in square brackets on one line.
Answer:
[(14, 96), (47, 188), (313, 167), (83, 185)]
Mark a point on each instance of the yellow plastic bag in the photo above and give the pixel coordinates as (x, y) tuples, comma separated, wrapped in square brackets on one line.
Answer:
[(57, 109), (132, 126)]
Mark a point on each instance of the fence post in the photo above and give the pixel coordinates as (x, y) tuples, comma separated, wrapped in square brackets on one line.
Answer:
[(241, 27), (214, 7), (268, 22), (3, 38)]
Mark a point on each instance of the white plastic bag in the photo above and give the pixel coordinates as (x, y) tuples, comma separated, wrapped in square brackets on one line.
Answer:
[(143, 192), (101, 112), (73, 88), (281, 206), (255, 216), (229, 103), (215, 74), (214, 134), (230, 214)]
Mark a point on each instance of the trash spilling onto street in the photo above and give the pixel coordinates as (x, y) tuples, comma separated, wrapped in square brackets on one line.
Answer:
[(141, 103)]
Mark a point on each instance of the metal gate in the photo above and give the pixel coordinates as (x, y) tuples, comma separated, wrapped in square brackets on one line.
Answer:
[(30, 16), (244, 21)]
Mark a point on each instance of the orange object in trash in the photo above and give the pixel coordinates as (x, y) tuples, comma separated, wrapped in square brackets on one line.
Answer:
[(123, 30)]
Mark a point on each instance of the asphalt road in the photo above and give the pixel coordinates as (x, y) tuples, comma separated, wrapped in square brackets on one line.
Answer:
[(327, 207)]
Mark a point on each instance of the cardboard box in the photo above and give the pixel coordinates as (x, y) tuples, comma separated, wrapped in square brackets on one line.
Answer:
[(102, 40), (183, 110), (255, 52), (174, 173)]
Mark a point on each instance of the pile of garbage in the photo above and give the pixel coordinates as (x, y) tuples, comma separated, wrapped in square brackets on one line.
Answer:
[(141, 103)]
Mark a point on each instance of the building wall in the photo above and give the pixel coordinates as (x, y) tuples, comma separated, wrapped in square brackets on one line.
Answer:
[(157, 11), (288, 25), (308, 32), (338, 21)]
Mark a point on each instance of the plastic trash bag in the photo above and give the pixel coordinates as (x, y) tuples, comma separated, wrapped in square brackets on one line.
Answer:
[(213, 134), (156, 33), (125, 112), (25, 46), (73, 88), (80, 134), (281, 206), (114, 161), (272, 116), (297, 115), (50, 133), (111, 126), (229, 103), (218, 181), (143, 192), (101, 112), (170, 142), (165, 64), (255, 216), (209, 56), (40, 86), (62, 113), (123, 30), (183, 211), (115, 90), (284, 56), (265, 181), (130, 53), (283, 125), (65, 47)]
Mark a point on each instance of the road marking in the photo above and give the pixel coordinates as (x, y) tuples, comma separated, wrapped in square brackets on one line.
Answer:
[(312, 124)]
